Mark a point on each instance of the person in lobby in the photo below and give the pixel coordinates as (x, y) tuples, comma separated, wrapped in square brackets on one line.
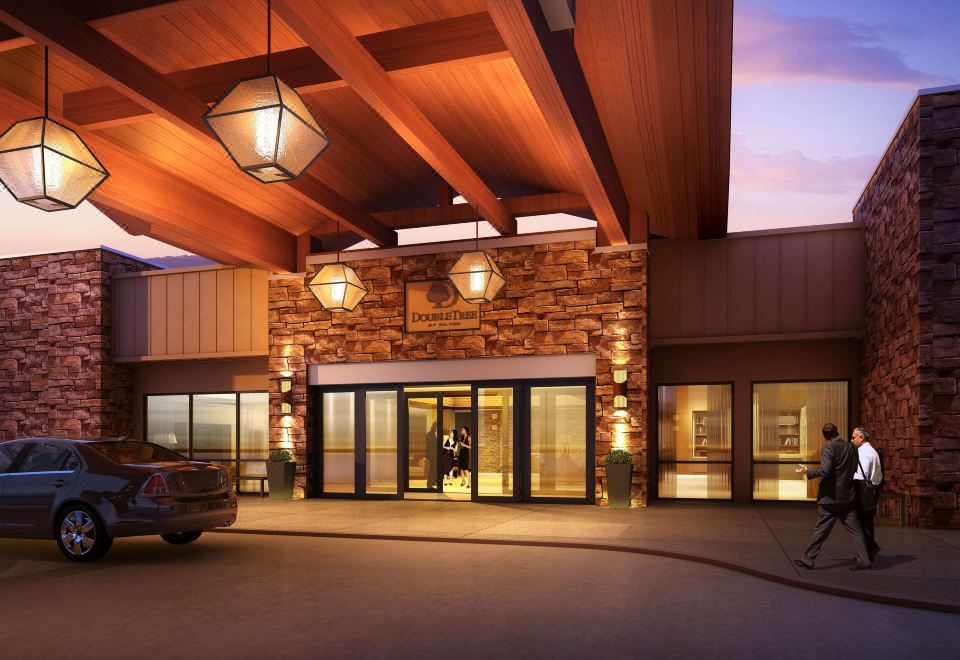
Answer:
[(867, 470), (431, 456), (451, 446), (463, 460), (836, 498)]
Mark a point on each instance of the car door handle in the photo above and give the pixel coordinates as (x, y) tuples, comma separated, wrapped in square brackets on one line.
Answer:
[(60, 483)]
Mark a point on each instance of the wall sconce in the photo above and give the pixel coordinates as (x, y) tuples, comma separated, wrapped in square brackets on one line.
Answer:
[(286, 397), (619, 392)]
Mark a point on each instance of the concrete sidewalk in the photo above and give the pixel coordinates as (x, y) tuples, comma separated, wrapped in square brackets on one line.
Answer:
[(760, 539)]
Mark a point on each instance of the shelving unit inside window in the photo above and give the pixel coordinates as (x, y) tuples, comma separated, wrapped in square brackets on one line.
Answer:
[(788, 432), (700, 439)]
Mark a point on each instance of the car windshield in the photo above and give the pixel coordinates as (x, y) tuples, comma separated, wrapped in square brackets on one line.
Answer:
[(132, 451)]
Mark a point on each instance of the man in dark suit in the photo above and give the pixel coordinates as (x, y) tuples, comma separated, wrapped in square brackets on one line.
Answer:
[(836, 498)]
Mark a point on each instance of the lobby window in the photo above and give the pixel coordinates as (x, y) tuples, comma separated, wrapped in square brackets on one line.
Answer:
[(228, 428), (787, 423), (558, 441), (694, 432)]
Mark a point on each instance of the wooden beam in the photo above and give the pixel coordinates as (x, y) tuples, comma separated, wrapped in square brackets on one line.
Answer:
[(455, 40), (549, 65), (322, 31), (102, 14), (456, 213), (87, 49)]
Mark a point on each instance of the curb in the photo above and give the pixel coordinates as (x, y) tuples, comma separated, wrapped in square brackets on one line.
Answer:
[(868, 596)]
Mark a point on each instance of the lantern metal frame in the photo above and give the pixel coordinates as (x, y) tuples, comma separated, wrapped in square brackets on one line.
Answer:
[(281, 108), (491, 271), (41, 145), (345, 283)]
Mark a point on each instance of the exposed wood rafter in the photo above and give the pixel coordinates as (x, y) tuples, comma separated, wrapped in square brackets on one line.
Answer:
[(451, 41), (347, 56), (454, 213), (549, 65), (87, 49)]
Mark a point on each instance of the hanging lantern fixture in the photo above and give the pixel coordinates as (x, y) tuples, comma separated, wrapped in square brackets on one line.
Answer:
[(476, 275), (266, 127), (45, 164), (337, 286)]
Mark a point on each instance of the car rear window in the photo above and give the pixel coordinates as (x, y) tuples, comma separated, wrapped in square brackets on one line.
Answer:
[(130, 451)]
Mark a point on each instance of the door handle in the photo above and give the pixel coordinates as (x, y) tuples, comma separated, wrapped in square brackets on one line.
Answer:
[(60, 483)]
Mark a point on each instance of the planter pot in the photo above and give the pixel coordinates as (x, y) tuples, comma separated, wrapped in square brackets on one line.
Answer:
[(280, 477), (618, 485)]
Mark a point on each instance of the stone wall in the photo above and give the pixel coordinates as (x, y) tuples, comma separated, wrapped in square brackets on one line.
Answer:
[(559, 298), (56, 373), (911, 360)]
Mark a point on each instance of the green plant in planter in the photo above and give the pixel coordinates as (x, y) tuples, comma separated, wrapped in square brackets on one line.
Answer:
[(281, 473), (618, 457), (281, 456), (619, 477)]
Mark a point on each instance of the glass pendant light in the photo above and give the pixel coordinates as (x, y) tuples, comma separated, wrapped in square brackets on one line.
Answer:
[(476, 275), (266, 127), (45, 164), (337, 286)]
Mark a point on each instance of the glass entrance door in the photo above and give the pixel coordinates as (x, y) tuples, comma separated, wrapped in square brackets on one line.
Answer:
[(423, 433)]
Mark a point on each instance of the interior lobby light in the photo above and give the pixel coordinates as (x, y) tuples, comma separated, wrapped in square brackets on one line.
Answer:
[(45, 164), (337, 286), (476, 275), (266, 127)]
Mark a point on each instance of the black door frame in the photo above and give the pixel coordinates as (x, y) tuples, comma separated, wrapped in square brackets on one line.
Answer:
[(521, 439)]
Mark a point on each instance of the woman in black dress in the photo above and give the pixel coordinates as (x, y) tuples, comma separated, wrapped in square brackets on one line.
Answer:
[(463, 460), (450, 443)]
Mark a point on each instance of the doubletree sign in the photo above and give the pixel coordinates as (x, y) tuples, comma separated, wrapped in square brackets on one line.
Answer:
[(433, 305)]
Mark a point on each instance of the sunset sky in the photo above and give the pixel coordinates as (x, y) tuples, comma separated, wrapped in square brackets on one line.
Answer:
[(819, 87)]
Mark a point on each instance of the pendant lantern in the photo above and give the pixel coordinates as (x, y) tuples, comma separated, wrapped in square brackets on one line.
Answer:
[(45, 164), (476, 275), (337, 286), (266, 127)]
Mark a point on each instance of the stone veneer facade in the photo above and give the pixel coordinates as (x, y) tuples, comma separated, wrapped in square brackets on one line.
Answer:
[(56, 373), (562, 297), (911, 360)]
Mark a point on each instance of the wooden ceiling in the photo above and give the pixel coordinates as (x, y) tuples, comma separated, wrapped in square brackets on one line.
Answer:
[(625, 118)]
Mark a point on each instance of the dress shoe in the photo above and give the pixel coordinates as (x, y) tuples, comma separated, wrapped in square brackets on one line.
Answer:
[(859, 567), (799, 563)]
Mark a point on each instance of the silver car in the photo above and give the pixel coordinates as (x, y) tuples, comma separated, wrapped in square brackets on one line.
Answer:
[(85, 493)]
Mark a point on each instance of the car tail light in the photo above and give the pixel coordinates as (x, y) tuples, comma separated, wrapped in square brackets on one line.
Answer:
[(155, 486)]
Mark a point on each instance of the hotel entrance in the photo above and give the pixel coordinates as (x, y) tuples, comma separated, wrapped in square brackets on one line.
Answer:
[(487, 441)]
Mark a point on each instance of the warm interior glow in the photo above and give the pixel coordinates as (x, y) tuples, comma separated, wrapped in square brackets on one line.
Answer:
[(478, 279)]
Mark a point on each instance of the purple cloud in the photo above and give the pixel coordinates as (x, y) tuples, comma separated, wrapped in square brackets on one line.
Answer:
[(792, 171), (770, 46)]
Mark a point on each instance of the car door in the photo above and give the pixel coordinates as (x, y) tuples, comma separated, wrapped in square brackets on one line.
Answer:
[(8, 455), (38, 479)]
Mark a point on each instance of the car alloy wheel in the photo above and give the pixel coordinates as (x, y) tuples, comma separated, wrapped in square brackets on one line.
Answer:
[(81, 537)]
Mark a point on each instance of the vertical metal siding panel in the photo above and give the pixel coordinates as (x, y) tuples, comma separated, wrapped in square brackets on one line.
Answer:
[(174, 314), (191, 313), (791, 274), (819, 282), (157, 287), (741, 265), (716, 290), (124, 317), (691, 289), (767, 282), (849, 267), (258, 311), (208, 311), (664, 289), (241, 309), (225, 310), (141, 297)]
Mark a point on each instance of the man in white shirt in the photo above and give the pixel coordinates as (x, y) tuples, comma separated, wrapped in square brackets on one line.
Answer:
[(869, 469)]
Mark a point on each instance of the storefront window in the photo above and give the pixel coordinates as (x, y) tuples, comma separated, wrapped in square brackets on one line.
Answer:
[(494, 441), (338, 442), (168, 421), (215, 429), (558, 441), (787, 422), (381, 423), (254, 433), (694, 434)]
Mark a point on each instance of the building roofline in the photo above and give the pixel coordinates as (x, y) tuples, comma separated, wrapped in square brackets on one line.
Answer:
[(87, 249), (928, 91)]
